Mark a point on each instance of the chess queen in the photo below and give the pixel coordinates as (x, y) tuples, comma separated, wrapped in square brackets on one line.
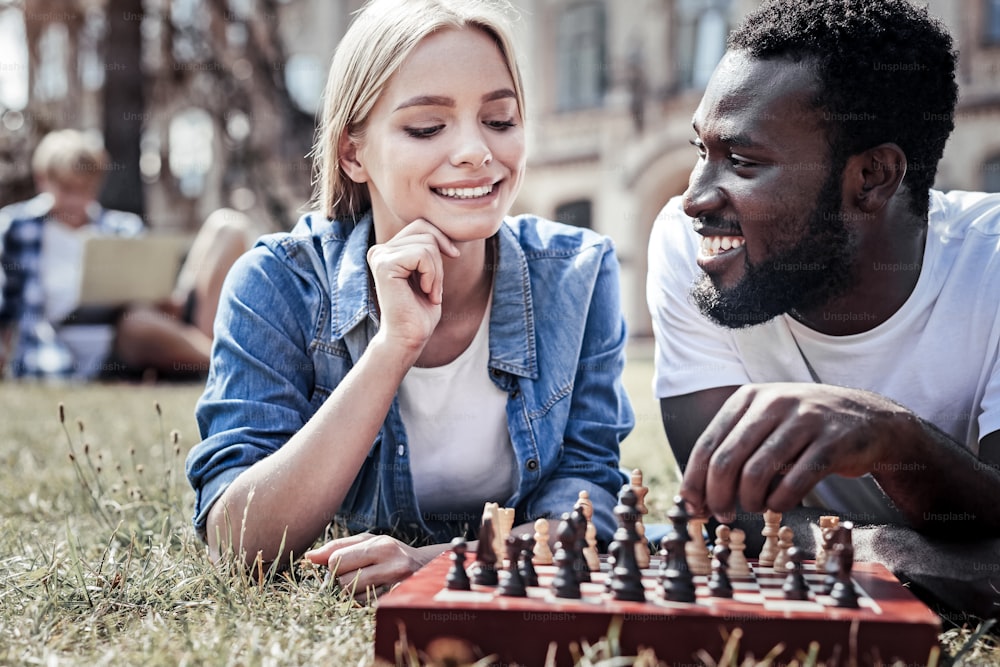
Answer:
[(410, 350)]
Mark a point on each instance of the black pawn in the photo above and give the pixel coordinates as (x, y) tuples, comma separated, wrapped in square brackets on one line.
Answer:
[(565, 583), (512, 584), (457, 579), (678, 582), (843, 590), (626, 576), (795, 586), (485, 572), (831, 538), (579, 521), (719, 585), (528, 573)]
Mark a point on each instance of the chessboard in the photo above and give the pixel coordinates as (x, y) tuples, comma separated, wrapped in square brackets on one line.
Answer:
[(888, 624)]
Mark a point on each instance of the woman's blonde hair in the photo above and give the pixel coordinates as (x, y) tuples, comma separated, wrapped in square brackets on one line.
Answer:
[(382, 36)]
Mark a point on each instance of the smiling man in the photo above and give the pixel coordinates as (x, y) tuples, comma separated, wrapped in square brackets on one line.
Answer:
[(827, 325)]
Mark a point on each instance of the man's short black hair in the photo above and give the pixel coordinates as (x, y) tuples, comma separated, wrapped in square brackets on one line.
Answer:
[(886, 72)]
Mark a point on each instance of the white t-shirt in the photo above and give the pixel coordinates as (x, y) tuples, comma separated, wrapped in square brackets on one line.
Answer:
[(937, 355), (61, 266), (456, 424)]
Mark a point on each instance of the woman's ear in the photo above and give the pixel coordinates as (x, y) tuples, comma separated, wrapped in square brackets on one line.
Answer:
[(349, 162), (877, 175)]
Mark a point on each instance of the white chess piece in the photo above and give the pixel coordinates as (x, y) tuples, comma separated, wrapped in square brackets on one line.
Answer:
[(738, 566), (542, 553), (772, 521), (696, 550), (586, 505)]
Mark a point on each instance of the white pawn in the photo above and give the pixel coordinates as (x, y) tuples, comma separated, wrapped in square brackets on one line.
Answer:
[(722, 535), (786, 540), (642, 544), (826, 523), (696, 550), (772, 521), (738, 566), (542, 553), (586, 506)]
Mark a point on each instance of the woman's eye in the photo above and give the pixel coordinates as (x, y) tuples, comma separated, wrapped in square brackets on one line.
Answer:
[(500, 125), (423, 132)]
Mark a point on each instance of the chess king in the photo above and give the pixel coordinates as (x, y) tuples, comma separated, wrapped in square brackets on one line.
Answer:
[(826, 323)]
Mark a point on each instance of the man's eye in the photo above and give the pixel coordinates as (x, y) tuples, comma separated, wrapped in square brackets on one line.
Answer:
[(739, 162), (700, 147), (423, 132)]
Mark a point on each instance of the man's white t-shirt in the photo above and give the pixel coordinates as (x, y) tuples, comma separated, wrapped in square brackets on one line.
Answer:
[(937, 355), (461, 455)]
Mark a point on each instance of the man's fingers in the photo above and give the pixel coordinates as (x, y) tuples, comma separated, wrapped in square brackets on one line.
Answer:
[(767, 467)]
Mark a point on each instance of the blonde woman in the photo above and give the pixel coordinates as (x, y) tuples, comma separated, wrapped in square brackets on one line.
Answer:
[(409, 352)]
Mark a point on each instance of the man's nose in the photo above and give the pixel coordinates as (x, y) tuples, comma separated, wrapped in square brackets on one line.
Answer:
[(704, 194)]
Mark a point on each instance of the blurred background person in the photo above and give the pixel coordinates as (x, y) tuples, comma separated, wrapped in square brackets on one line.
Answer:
[(41, 250)]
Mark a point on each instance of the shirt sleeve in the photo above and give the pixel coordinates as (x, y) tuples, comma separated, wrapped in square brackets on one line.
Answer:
[(259, 390), (989, 416), (692, 353)]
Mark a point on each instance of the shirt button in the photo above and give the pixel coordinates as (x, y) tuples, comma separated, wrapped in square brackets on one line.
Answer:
[(401, 450), (531, 464)]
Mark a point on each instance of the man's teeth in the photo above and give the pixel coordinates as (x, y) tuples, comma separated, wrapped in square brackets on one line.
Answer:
[(713, 245), (465, 193)]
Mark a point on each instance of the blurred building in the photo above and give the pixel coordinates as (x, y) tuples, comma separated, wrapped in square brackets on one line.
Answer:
[(612, 86)]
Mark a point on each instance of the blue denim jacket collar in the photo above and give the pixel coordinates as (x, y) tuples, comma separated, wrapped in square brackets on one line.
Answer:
[(512, 326)]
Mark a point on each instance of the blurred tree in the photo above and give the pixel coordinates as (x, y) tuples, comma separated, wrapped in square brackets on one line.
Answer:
[(189, 95), (124, 106)]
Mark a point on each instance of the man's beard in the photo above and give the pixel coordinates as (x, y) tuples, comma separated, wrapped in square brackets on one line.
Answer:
[(806, 275)]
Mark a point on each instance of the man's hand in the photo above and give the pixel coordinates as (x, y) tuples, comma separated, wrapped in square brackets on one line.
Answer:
[(770, 444), (408, 271)]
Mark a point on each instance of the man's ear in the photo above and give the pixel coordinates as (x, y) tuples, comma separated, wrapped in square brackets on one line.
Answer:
[(874, 176), (349, 162)]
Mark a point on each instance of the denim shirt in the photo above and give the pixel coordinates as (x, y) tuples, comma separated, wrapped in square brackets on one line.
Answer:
[(297, 312)]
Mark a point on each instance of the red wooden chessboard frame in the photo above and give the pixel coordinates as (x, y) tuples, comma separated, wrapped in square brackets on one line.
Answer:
[(897, 626)]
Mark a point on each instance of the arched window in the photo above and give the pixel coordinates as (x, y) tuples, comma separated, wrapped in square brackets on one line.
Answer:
[(582, 60), (700, 42), (575, 213), (991, 174), (190, 143), (991, 26)]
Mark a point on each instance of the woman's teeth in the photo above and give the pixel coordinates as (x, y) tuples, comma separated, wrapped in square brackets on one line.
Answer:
[(713, 245), (465, 193)]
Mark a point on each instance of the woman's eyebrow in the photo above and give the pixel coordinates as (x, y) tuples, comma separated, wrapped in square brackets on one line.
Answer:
[(442, 101)]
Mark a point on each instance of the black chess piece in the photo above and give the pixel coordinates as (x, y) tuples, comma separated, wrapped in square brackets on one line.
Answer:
[(843, 589), (626, 576), (678, 582), (565, 584), (795, 586), (719, 585), (512, 584), (528, 573), (457, 579), (579, 521), (485, 572)]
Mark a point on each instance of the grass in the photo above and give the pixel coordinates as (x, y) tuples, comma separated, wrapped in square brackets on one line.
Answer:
[(99, 564)]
